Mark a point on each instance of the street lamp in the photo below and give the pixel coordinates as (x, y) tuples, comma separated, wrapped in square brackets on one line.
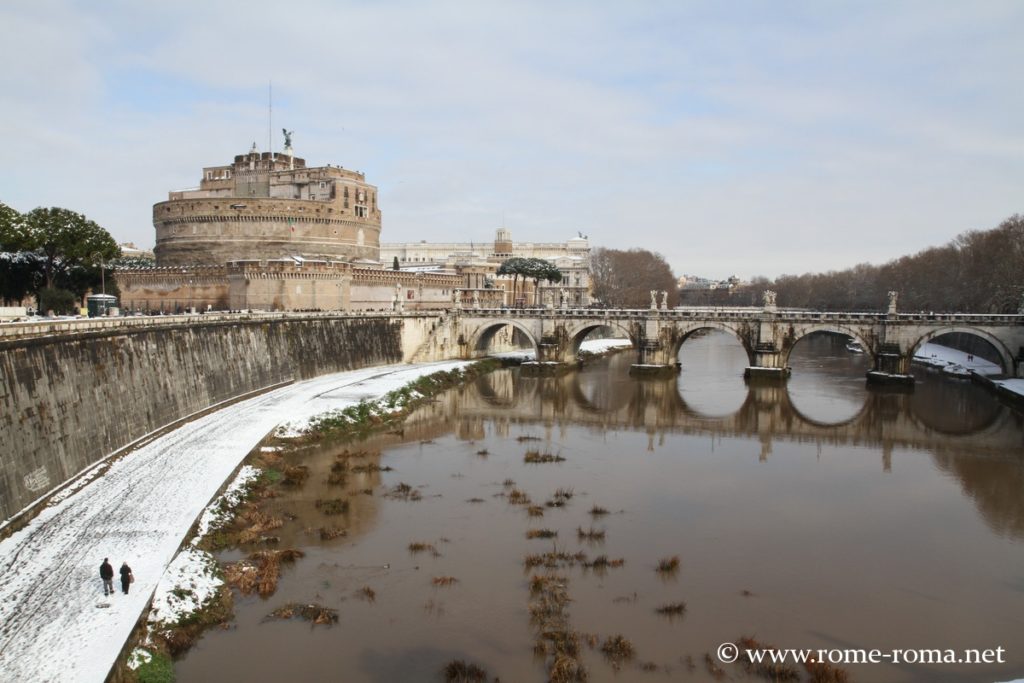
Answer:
[(103, 273)]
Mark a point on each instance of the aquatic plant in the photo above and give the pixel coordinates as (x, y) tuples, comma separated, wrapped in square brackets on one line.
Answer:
[(536, 457), (444, 581), (331, 506), (458, 671), (541, 533), (316, 614), (672, 609), (617, 650), (422, 547), (769, 670), (591, 535), (668, 565), (259, 572)]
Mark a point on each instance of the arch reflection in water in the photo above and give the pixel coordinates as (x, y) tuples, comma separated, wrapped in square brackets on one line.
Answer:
[(942, 417), (711, 372)]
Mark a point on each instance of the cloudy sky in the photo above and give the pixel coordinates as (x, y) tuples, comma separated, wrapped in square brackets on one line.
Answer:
[(748, 138)]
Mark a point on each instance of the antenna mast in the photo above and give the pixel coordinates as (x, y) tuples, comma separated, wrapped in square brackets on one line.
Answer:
[(270, 115)]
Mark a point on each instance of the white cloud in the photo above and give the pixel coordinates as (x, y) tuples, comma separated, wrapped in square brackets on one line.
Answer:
[(736, 139)]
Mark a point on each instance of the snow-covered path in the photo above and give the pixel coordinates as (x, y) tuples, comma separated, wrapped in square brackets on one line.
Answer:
[(55, 623)]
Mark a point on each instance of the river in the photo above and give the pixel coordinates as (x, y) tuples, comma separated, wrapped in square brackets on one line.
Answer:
[(819, 515)]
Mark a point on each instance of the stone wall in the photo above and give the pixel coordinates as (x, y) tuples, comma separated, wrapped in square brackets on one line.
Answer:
[(67, 402)]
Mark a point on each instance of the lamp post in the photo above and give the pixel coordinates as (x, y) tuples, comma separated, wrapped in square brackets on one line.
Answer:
[(103, 273)]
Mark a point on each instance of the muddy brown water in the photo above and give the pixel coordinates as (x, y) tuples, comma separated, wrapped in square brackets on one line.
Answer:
[(818, 515)]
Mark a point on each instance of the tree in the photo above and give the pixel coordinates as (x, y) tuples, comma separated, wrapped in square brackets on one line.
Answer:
[(66, 240), (394, 264), (515, 267), (538, 269), (626, 278)]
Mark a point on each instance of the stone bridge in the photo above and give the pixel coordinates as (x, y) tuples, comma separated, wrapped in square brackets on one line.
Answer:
[(767, 335)]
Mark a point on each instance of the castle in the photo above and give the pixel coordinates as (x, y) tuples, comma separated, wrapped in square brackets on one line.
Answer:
[(267, 232)]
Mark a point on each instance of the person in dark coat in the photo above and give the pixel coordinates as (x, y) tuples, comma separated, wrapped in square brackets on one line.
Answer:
[(107, 574), (126, 577)]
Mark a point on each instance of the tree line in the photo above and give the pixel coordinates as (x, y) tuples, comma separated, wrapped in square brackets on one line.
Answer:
[(53, 254), (980, 271)]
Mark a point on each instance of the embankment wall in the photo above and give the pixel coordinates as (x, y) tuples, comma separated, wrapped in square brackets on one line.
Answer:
[(68, 401)]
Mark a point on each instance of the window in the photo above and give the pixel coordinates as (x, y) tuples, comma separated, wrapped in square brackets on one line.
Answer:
[(346, 196)]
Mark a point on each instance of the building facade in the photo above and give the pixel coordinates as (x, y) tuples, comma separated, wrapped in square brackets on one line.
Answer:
[(572, 258)]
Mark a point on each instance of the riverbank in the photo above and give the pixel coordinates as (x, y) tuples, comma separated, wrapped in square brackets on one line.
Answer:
[(56, 623)]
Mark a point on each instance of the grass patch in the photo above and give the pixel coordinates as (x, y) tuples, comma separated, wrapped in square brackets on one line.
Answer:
[(444, 581), (603, 563), (717, 672), (668, 566), (392, 408), (458, 671), (555, 641), (371, 467), (420, 547), (536, 457), (554, 559), (823, 672), (535, 511), (527, 437), (617, 650), (403, 491), (559, 498), (315, 614), (591, 535), (541, 533), (295, 475), (483, 452), (332, 506), (159, 669), (598, 511), (672, 609), (768, 670), (517, 497), (329, 533), (259, 572)]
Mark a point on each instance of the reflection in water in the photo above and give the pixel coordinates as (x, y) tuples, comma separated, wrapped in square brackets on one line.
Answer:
[(711, 375), (814, 515)]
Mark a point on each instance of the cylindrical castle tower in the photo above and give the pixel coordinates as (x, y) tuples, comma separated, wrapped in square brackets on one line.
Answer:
[(269, 206)]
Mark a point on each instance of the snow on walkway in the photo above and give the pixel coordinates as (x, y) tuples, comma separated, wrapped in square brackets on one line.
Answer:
[(55, 623), (939, 356)]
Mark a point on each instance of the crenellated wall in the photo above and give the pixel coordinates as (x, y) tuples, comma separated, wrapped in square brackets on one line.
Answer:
[(68, 401)]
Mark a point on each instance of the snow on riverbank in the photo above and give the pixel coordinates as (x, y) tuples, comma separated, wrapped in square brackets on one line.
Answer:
[(1015, 386), (941, 357), (588, 346), (55, 623)]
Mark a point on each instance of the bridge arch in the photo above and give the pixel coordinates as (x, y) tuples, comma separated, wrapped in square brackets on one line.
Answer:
[(865, 342), (1005, 355), (684, 332), (482, 337), (578, 333)]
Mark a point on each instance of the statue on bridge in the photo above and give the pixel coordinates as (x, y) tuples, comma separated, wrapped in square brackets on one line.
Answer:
[(654, 299), (664, 300), (893, 296), (769, 300)]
